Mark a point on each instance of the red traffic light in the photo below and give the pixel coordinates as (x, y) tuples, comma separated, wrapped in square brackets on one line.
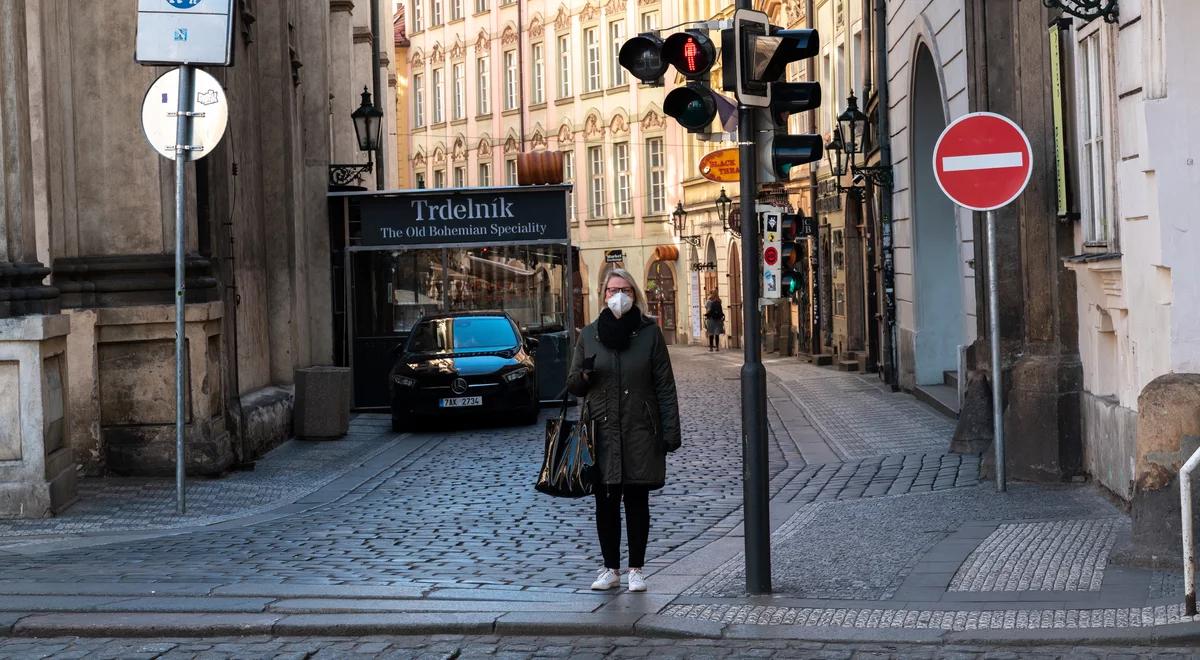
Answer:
[(691, 52)]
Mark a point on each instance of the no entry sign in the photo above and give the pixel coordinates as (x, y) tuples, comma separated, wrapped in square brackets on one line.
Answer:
[(982, 161)]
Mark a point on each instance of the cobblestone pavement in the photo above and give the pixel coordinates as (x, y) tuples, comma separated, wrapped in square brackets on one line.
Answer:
[(284, 475), (578, 648), (458, 510)]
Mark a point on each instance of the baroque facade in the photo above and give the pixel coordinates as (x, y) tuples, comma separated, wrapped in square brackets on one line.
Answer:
[(87, 333), (490, 79)]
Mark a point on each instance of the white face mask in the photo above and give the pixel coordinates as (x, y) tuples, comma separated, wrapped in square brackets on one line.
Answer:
[(620, 303)]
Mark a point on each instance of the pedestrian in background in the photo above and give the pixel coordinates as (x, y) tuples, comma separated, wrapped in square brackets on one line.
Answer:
[(714, 320), (622, 369)]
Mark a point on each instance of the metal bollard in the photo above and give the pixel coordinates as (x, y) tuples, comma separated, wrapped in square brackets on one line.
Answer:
[(1189, 534)]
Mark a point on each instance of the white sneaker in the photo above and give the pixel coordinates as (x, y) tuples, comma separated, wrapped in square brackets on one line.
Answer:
[(607, 579), (637, 580)]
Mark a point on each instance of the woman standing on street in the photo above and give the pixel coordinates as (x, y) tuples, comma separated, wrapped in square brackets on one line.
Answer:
[(714, 320), (622, 368)]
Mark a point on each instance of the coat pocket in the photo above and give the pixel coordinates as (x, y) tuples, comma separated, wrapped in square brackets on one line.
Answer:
[(652, 420)]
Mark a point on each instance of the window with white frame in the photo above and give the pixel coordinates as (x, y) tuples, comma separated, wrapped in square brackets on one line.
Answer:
[(621, 168), (539, 73), (439, 97), (596, 177), (435, 14), (460, 176), (564, 66), (591, 46), (616, 37), (650, 21), (510, 80), (481, 6), (569, 177), (456, 9), (1094, 104), (418, 96), (485, 174), (483, 69), (460, 91), (439, 179), (656, 176), (510, 171), (418, 15)]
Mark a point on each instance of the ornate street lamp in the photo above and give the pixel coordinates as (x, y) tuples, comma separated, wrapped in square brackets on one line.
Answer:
[(680, 217), (1088, 10), (723, 205), (850, 138), (852, 126), (368, 122), (834, 151)]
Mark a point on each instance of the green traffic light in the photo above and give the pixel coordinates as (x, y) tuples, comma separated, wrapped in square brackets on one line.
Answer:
[(789, 283)]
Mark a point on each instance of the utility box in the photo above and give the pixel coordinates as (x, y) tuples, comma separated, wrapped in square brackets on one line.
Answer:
[(322, 408)]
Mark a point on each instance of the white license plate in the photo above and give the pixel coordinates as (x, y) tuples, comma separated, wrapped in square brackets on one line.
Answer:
[(461, 402)]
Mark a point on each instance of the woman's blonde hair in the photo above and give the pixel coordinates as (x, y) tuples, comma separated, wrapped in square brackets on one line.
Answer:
[(638, 299)]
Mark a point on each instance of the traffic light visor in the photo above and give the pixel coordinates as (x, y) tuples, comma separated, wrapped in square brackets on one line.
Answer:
[(692, 106), (789, 151), (642, 56), (691, 52), (773, 53)]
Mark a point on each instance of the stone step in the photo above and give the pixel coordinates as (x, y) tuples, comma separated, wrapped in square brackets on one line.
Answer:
[(950, 377), (847, 365), (822, 359)]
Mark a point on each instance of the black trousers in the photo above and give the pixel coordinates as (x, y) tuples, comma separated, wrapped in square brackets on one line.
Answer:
[(637, 523), (714, 341)]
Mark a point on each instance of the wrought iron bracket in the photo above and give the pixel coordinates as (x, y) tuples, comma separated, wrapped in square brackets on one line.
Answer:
[(341, 174), (1088, 10), (878, 175), (704, 265), (694, 241)]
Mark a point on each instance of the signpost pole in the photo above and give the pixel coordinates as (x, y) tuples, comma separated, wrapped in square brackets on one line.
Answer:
[(997, 375), (182, 141)]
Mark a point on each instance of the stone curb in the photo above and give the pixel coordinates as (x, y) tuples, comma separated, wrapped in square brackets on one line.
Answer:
[(148, 625)]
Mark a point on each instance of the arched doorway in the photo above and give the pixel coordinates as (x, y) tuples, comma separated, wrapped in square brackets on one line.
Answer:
[(710, 275), (733, 315), (938, 297), (660, 297)]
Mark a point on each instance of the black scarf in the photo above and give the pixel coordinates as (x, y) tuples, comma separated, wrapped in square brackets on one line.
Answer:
[(615, 332)]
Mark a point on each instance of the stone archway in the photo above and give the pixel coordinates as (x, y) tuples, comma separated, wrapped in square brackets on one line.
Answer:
[(937, 298), (661, 296)]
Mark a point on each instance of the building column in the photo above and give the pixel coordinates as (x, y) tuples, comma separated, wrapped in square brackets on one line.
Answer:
[(37, 471)]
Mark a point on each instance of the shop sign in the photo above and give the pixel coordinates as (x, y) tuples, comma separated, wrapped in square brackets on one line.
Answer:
[(722, 166), (465, 217), (614, 256)]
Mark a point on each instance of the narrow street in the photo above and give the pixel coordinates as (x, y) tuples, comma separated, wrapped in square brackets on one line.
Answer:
[(879, 536)]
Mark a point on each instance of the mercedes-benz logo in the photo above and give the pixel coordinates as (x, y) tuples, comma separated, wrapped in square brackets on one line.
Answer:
[(459, 386)]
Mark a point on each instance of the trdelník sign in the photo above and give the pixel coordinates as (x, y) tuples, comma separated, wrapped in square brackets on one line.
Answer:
[(487, 216)]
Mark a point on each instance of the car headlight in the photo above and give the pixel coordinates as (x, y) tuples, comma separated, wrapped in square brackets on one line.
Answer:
[(403, 381), (516, 374)]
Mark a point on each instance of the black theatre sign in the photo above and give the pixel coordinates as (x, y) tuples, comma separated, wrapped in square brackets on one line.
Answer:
[(486, 216)]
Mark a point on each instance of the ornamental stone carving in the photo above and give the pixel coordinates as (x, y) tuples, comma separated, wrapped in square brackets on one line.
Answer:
[(652, 121), (592, 129), (590, 12), (485, 148), (539, 140), (437, 54), (615, 7), (562, 22), (619, 125), (418, 60), (459, 50), (419, 161), (460, 149), (439, 155), (483, 41), (537, 28), (510, 145), (509, 36), (565, 135)]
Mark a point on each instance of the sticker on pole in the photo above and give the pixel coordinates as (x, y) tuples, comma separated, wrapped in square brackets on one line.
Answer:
[(982, 161), (208, 125)]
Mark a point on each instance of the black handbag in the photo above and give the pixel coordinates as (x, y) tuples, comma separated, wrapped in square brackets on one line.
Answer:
[(569, 467)]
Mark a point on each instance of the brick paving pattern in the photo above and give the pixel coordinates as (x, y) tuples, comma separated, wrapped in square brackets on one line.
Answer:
[(862, 419), (958, 620), (443, 647), (880, 476), (1065, 555), (285, 474)]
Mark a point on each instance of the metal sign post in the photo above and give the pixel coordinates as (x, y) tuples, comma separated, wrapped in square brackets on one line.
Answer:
[(983, 161), (183, 136)]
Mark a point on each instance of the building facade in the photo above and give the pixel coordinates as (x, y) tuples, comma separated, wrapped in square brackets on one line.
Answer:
[(87, 341), (491, 79)]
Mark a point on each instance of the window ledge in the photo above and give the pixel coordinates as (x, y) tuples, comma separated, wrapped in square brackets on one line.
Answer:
[(486, 115), (592, 95), (513, 112), (563, 100), (596, 222), (1092, 257), (538, 106)]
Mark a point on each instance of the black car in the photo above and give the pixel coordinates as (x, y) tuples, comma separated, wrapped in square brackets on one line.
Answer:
[(468, 362)]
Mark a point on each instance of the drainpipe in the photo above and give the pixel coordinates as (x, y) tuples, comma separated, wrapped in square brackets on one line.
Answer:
[(380, 171), (521, 70), (885, 197), (815, 274)]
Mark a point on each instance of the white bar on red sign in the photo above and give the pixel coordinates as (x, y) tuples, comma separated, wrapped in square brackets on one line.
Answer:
[(983, 162)]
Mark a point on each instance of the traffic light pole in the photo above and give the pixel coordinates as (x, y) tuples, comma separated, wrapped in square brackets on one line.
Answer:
[(756, 475)]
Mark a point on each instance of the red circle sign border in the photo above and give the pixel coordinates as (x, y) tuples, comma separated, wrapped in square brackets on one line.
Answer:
[(1028, 149), (771, 256)]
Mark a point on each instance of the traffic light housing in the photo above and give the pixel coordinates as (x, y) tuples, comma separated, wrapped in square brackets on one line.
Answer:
[(648, 57), (790, 231)]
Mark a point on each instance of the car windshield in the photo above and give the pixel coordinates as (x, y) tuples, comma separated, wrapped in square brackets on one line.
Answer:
[(463, 334)]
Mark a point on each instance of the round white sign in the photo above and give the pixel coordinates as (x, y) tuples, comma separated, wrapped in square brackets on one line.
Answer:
[(208, 126)]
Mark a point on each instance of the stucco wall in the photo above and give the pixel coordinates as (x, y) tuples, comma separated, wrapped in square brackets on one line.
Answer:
[(940, 26)]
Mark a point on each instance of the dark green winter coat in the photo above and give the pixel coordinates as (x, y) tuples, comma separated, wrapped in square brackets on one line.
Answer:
[(630, 395)]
